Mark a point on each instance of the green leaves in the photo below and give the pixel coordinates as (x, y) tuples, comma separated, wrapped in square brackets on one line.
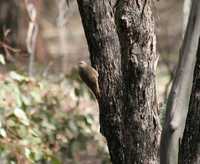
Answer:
[(21, 115), (42, 121), (3, 133), (15, 76), (2, 59)]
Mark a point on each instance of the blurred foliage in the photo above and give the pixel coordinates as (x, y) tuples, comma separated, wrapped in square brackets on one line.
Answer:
[(40, 122)]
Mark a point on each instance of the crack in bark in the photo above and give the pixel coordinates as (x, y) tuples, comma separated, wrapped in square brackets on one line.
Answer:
[(143, 7)]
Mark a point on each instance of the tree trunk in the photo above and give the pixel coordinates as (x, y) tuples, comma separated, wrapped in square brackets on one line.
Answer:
[(178, 101), (186, 13), (8, 18), (122, 45), (190, 147), (9, 12)]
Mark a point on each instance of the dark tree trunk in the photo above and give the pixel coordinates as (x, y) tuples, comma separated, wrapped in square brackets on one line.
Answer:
[(190, 146), (9, 19), (9, 12), (122, 46)]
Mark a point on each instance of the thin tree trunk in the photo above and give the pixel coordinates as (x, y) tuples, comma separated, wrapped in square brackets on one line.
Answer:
[(178, 101), (122, 46), (186, 13), (190, 147)]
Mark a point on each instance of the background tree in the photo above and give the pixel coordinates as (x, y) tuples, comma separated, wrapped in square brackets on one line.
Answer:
[(178, 101), (8, 18), (122, 45), (189, 149), (8, 21)]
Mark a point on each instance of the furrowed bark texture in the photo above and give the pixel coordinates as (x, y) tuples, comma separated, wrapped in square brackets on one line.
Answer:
[(98, 21), (190, 146), (122, 46), (178, 101), (138, 49)]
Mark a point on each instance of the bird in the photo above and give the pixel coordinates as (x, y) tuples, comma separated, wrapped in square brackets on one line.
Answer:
[(90, 77)]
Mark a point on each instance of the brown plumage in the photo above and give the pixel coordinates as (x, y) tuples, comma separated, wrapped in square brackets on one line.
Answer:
[(90, 76)]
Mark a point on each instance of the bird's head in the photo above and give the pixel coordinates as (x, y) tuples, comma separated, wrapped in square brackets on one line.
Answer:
[(82, 64)]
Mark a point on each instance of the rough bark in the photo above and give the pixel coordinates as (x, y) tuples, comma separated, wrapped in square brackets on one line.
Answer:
[(138, 49), (190, 146), (122, 45), (178, 101), (102, 38)]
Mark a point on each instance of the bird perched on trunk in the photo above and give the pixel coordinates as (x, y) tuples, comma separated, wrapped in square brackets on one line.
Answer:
[(90, 76)]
